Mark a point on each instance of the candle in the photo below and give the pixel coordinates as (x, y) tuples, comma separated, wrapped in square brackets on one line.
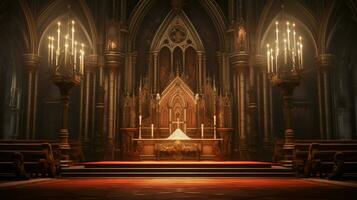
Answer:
[(277, 34), (299, 46), (302, 57), (202, 132), (65, 49), (75, 56), (58, 37), (288, 33), (152, 130), (52, 47), (294, 37), (49, 51), (82, 56), (276, 57), (268, 58), (285, 52), (72, 41), (140, 120), (298, 55), (214, 120), (271, 58)]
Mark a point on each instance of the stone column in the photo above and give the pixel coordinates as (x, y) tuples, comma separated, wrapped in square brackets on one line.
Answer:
[(200, 70), (266, 107), (239, 61), (252, 106), (87, 131), (31, 62), (155, 60), (324, 64), (114, 60)]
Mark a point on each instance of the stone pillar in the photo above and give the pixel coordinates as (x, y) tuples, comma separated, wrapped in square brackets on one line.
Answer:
[(239, 61), (88, 100), (31, 62), (155, 60), (114, 60), (324, 64), (252, 122), (266, 102), (200, 70)]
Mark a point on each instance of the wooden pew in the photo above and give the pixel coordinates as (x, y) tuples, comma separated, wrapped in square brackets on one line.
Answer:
[(37, 158), (306, 165), (332, 159), (300, 155), (12, 164)]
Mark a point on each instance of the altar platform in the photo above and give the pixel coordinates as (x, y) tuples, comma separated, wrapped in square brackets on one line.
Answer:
[(177, 169)]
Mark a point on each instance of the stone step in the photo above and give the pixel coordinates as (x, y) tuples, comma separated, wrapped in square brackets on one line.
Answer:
[(177, 174)]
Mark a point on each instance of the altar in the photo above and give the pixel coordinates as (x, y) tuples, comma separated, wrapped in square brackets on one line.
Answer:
[(177, 124), (178, 146)]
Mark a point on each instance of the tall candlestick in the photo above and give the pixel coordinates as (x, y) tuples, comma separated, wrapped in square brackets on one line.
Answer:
[(140, 120), (202, 131), (152, 130), (214, 120)]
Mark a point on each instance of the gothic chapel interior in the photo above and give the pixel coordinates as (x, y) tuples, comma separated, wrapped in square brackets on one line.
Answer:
[(177, 80)]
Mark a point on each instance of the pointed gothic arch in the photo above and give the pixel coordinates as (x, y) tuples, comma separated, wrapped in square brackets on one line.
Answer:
[(177, 35), (171, 25)]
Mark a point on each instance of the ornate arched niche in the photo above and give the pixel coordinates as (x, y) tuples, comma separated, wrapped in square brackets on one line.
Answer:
[(176, 48)]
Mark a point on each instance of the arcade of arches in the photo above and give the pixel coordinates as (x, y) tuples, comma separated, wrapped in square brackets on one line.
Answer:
[(157, 72)]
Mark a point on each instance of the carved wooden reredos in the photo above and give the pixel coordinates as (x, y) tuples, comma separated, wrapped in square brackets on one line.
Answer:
[(176, 92)]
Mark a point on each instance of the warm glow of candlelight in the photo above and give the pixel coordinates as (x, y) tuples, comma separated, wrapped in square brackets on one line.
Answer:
[(285, 52), (268, 58), (202, 131), (75, 56), (288, 34), (287, 47), (72, 39)]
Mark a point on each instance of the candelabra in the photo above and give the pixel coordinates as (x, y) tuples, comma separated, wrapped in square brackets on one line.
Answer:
[(284, 66), (66, 66)]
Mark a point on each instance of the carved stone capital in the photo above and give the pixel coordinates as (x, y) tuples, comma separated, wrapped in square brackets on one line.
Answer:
[(91, 63), (239, 61), (114, 60), (260, 63), (31, 61)]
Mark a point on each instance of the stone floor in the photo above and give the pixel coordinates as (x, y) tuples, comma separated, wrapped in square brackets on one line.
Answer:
[(178, 188)]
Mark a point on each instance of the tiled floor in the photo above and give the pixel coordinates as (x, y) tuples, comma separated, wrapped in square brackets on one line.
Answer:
[(180, 188)]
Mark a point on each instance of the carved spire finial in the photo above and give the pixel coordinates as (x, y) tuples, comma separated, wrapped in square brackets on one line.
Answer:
[(177, 5)]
